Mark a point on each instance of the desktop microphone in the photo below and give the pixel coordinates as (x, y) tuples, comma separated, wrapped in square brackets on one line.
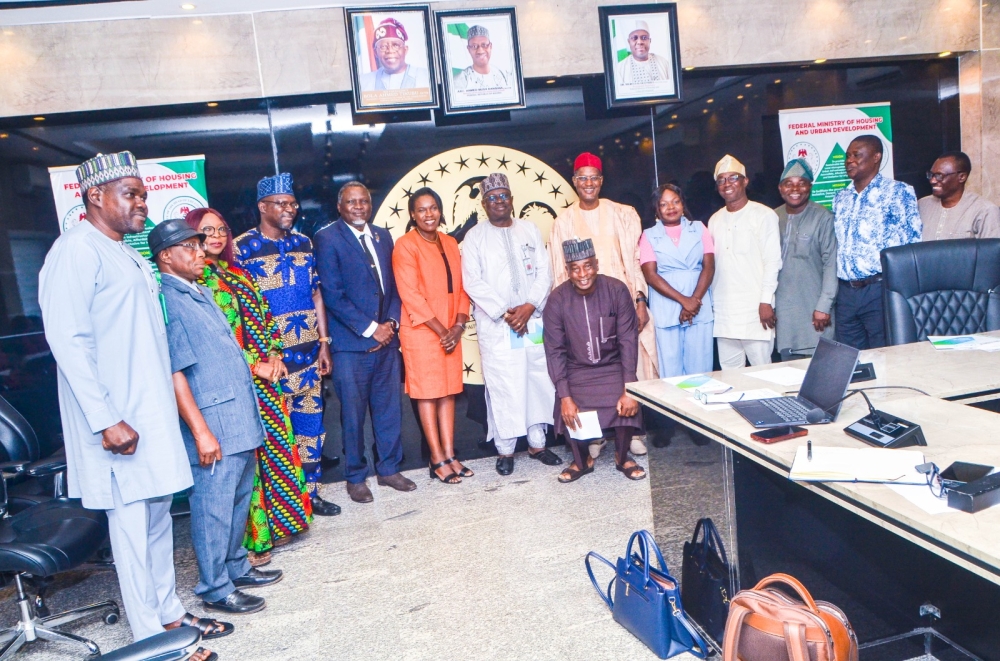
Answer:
[(817, 415), (878, 428)]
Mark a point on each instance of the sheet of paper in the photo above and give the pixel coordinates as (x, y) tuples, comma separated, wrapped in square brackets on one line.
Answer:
[(533, 336), (697, 382), (721, 401), (783, 376), (589, 429), (921, 496), (857, 465), (964, 343)]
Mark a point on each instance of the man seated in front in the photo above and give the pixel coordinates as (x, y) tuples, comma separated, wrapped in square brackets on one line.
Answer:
[(591, 339), (220, 422)]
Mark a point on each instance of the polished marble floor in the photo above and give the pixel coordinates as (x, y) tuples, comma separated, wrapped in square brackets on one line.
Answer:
[(490, 569)]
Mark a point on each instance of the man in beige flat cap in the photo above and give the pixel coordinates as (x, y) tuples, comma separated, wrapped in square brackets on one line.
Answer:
[(747, 261)]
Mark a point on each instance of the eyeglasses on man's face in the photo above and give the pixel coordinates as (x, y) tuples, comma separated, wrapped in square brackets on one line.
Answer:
[(592, 179), (388, 46), (731, 179), (290, 206), (192, 245), (498, 197), (213, 231), (939, 176)]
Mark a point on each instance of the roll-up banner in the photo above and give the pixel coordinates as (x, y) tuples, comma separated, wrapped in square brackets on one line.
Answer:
[(175, 186), (821, 136)]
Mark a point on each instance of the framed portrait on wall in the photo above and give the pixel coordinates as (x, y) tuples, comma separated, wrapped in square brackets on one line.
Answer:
[(642, 55), (391, 57), (480, 60)]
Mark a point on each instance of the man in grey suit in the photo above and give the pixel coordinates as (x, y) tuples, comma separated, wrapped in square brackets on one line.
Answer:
[(220, 423)]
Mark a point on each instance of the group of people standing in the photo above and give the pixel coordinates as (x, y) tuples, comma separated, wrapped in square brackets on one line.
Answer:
[(206, 373)]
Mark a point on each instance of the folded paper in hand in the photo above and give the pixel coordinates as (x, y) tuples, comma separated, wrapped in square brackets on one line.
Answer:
[(589, 429), (857, 465)]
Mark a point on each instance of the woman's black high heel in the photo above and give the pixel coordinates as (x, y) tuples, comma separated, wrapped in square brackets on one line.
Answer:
[(465, 472), (451, 478)]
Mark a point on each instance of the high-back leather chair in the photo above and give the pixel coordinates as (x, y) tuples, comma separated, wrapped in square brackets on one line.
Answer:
[(941, 288)]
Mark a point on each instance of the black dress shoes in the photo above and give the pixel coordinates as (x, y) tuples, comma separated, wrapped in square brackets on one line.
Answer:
[(256, 578), (324, 507), (359, 493), (505, 465), (547, 457), (237, 602)]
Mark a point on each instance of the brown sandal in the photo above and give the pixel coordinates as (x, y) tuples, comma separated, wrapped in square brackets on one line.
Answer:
[(633, 472), (572, 474), (258, 559)]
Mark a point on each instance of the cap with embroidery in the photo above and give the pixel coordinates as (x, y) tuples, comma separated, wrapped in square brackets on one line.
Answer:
[(477, 31), (574, 250), (494, 181), (729, 164), (280, 184), (797, 167), (106, 167), (639, 25), (390, 28)]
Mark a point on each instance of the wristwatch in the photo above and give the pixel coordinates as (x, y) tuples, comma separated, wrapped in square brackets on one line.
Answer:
[(640, 298), (394, 324)]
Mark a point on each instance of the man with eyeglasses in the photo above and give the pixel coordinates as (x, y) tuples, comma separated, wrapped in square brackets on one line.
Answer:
[(747, 261), (282, 264), (505, 271), (871, 215), (480, 76), (104, 324), (641, 66), (951, 212), (220, 422), (393, 73), (614, 230)]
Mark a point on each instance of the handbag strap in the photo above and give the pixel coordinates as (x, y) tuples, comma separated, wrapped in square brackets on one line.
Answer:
[(795, 641), (734, 626), (699, 646), (793, 583), (647, 546), (711, 530), (606, 597)]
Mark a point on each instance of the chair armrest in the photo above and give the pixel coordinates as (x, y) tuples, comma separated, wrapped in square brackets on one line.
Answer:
[(14, 468), (46, 467)]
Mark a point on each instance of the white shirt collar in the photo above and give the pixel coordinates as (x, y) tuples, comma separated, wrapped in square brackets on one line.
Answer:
[(366, 230), (190, 284)]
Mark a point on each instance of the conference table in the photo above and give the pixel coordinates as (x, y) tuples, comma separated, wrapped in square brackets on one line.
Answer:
[(845, 523)]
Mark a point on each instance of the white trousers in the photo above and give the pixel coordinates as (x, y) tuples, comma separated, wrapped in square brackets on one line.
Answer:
[(142, 540), (733, 354), (536, 439)]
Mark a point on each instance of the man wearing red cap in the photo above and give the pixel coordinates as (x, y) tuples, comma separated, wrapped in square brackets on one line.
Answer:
[(393, 73), (615, 230)]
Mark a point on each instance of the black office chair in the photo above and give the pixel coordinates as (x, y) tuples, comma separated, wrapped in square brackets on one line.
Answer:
[(941, 288), (174, 645)]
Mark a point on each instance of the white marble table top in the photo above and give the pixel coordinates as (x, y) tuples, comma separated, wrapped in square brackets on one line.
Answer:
[(953, 431)]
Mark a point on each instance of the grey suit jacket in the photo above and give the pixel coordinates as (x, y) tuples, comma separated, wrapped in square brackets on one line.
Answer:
[(203, 347)]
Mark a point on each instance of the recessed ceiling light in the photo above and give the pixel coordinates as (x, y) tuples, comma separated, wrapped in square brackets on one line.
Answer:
[(39, 119), (689, 68), (670, 126), (820, 60), (212, 104), (673, 117), (739, 96), (944, 54), (710, 101), (777, 81), (748, 85), (637, 134), (4, 135), (187, 6), (34, 149), (550, 81), (704, 110)]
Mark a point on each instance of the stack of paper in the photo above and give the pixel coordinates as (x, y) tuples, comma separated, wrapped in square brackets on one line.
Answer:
[(720, 401), (964, 342), (699, 383), (857, 465), (783, 376)]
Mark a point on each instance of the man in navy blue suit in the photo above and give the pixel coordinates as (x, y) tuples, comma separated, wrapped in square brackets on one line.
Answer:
[(354, 260)]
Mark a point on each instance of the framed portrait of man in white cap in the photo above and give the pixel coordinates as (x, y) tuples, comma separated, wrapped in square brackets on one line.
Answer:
[(642, 63), (391, 56), (480, 60)]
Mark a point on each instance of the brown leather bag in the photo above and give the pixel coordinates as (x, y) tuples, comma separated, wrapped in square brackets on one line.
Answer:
[(765, 624)]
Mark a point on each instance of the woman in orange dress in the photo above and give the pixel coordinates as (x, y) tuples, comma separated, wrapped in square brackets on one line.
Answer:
[(428, 270)]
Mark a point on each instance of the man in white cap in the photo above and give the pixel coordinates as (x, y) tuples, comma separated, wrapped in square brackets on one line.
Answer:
[(100, 302), (747, 261), (641, 66), (505, 271), (481, 76)]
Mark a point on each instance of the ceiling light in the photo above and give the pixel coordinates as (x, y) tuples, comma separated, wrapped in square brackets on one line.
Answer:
[(739, 96), (187, 6), (34, 149), (670, 126), (944, 54), (903, 38), (868, 41), (748, 85), (212, 104), (39, 119), (777, 81), (710, 101), (820, 60), (689, 68), (4, 135), (704, 110), (673, 117), (637, 134), (550, 81)]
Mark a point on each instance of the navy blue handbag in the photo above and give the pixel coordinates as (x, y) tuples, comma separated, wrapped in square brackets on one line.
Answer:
[(647, 600)]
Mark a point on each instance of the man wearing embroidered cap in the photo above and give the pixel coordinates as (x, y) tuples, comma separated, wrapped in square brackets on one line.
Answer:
[(592, 347), (615, 230), (807, 282), (747, 261), (282, 264), (641, 66), (481, 76), (100, 302), (393, 73), (505, 271)]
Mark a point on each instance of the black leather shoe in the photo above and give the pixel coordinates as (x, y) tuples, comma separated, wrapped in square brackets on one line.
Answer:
[(237, 602), (256, 578), (505, 465), (547, 457), (324, 507)]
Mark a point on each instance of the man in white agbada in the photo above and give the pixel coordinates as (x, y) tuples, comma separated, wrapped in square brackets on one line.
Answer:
[(747, 261), (124, 453), (481, 75), (641, 67), (505, 270)]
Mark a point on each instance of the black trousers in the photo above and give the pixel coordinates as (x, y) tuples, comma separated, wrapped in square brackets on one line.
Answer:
[(860, 319)]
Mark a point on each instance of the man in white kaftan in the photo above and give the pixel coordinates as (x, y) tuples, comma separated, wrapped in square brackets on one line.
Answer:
[(505, 271), (105, 326)]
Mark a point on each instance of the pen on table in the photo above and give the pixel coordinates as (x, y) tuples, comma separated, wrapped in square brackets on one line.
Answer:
[(809, 451), (213, 461)]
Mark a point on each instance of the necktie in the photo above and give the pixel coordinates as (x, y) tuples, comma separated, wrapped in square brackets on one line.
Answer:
[(371, 265)]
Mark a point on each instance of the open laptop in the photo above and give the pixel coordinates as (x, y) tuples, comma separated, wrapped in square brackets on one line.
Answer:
[(827, 378)]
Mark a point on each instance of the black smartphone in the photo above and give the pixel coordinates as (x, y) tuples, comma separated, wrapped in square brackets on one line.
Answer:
[(775, 434)]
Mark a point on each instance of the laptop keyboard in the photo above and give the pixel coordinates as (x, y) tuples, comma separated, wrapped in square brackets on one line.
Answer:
[(786, 408)]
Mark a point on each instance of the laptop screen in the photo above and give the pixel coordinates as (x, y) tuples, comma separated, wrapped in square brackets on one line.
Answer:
[(829, 375)]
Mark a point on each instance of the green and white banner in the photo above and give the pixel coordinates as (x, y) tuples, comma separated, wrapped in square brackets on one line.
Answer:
[(174, 185), (821, 136)]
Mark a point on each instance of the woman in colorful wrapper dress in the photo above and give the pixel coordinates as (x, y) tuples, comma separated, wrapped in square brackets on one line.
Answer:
[(280, 506)]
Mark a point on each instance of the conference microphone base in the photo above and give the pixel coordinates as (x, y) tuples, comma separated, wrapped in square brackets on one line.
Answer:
[(892, 433)]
